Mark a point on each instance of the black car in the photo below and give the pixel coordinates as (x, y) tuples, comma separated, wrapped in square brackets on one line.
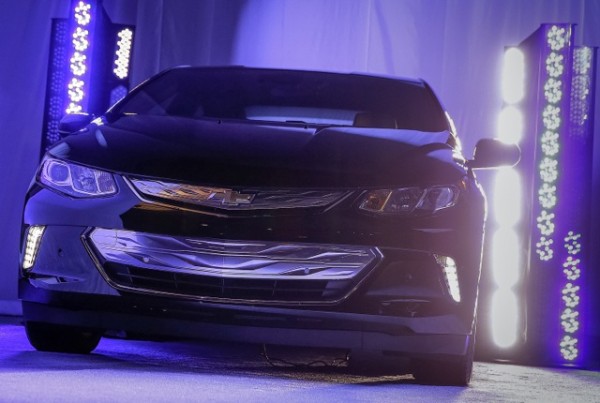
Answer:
[(272, 206)]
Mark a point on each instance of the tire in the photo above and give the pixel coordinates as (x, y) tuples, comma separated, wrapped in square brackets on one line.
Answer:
[(450, 372), (62, 338)]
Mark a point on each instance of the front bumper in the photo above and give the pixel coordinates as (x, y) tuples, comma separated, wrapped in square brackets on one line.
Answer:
[(397, 302), (409, 337)]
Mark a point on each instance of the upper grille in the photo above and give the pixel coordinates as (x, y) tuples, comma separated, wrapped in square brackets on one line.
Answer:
[(209, 268), (240, 199)]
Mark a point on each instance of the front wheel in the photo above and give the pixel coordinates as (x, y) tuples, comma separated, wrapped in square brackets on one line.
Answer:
[(62, 338)]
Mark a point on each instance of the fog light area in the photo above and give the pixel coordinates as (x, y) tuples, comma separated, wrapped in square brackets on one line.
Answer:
[(450, 275), (32, 245)]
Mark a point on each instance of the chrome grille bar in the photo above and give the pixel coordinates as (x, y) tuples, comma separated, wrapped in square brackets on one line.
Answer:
[(232, 259), (240, 199)]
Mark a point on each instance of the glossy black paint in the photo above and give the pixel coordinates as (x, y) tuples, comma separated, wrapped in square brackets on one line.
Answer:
[(255, 154), (402, 296)]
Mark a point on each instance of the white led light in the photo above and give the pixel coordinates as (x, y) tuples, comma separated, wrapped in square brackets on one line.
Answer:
[(80, 39), (82, 13), (549, 170), (74, 108), (569, 320), (551, 117), (507, 197), (557, 38), (569, 317), (571, 268), (555, 65), (507, 204), (572, 244), (78, 63), (544, 249), (505, 258), (553, 90), (568, 348), (32, 244), (510, 125), (547, 196), (545, 223), (581, 90), (505, 318), (76, 90), (549, 143), (513, 76), (123, 53), (570, 295), (451, 275)]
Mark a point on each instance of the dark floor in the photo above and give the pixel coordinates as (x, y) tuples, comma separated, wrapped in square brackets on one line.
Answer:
[(133, 370)]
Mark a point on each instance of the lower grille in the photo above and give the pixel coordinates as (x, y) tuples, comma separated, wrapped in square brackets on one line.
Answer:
[(226, 288), (232, 270)]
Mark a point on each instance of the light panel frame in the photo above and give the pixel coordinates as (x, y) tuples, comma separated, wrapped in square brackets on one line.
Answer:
[(555, 174)]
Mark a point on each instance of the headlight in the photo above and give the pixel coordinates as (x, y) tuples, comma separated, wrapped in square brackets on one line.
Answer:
[(409, 200), (76, 180)]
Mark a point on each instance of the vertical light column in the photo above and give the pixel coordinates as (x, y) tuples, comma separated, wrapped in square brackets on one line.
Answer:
[(557, 47), (507, 254), (56, 83), (88, 68), (542, 208), (574, 193), (552, 236), (121, 63), (123, 53), (82, 16)]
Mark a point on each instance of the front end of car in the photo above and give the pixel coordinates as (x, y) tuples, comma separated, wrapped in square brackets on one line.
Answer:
[(318, 209), (372, 269)]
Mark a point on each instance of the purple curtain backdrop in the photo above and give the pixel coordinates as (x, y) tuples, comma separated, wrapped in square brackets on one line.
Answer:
[(456, 45)]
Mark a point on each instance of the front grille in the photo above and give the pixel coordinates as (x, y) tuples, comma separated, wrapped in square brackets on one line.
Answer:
[(226, 288), (236, 199), (238, 270)]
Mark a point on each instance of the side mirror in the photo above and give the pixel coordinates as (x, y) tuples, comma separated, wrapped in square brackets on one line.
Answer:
[(492, 153), (73, 122)]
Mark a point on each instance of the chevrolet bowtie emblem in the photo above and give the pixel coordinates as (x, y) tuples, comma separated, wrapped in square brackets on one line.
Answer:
[(235, 198)]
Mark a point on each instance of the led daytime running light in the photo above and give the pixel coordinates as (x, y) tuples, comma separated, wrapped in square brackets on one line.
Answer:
[(32, 245), (450, 275)]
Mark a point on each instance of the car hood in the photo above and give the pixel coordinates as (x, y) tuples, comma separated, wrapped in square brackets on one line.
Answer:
[(213, 152)]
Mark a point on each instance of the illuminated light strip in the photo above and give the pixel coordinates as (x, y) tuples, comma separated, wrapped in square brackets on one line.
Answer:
[(507, 203), (55, 93), (79, 61), (557, 39), (32, 245), (123, 53), (570, 319)]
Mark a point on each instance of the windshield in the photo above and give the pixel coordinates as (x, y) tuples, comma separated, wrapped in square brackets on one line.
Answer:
[(312, 98)]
